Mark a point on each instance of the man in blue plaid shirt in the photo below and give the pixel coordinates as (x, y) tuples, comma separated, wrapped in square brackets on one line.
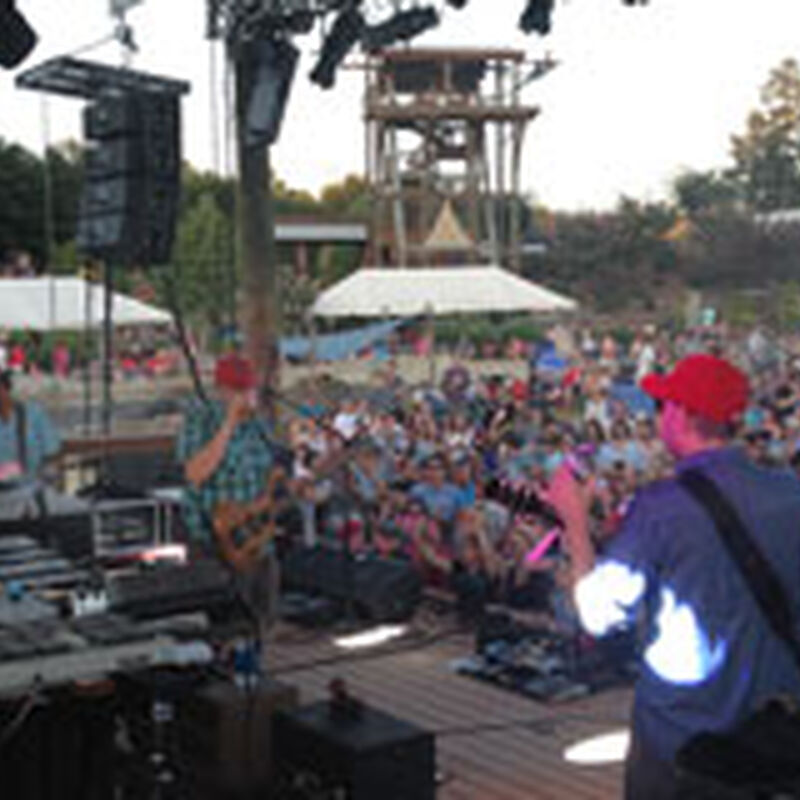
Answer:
[(227, 456)]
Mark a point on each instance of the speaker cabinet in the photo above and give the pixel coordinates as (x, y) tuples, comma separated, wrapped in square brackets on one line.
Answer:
[(366, 757)]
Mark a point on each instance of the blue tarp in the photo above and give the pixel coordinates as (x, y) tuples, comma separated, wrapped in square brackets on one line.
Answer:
[(338, 346)]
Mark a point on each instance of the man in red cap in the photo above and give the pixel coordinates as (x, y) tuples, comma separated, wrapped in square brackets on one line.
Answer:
[(709, 657), (227, 456)]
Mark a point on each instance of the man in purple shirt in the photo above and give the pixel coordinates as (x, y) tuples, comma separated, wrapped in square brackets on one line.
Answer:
[(709, 656)]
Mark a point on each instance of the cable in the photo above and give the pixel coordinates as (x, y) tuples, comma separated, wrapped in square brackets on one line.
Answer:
[(111, 37), (183, 340), (29, 704)]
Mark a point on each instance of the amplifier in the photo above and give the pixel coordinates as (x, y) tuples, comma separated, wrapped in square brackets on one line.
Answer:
[(381, 590), (367, 756)]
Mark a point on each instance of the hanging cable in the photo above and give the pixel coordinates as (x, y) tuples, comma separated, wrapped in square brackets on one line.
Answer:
[(228, 101), (183, 339)]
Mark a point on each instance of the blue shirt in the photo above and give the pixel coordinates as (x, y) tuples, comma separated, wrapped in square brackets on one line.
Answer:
[(42, 440), (710, 657), (627, 452), (241, 475), (442, 503)]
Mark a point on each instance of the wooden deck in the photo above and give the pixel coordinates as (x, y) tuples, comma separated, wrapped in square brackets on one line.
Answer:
[(491, 744)]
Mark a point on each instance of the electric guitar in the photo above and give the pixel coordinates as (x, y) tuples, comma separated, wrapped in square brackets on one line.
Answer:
[(242, 529)]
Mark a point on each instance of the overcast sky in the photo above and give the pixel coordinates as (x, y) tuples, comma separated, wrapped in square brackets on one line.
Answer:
[(641, 92)]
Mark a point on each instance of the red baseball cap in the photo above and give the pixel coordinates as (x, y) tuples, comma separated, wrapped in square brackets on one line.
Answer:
[(706, 385), (233, 371)]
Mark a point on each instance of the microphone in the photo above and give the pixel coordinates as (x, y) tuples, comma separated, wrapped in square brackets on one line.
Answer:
[(520, 501)]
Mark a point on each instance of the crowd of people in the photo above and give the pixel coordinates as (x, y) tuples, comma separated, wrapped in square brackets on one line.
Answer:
[(451, 477), (139, 353)]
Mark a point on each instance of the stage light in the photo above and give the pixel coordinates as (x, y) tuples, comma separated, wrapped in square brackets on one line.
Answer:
[(344, 34), (402, 26), (610, 748), (277, 61), (537, 17), (370, 638), (17, 38), (459, 4)]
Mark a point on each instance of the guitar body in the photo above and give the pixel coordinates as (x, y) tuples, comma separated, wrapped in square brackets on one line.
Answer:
[(242, 529)]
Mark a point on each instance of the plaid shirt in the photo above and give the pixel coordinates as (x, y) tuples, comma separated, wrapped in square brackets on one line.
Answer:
[(242, 474)]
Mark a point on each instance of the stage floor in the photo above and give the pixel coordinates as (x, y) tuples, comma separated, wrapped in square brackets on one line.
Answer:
[(491, 744)]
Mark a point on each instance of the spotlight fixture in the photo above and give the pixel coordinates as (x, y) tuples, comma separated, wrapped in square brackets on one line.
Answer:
[(276, 60), (402, 26), (536, 17), (343, 36), (17, 38)]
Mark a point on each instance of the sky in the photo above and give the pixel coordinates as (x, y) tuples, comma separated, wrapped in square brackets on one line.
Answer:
[(640, 94)]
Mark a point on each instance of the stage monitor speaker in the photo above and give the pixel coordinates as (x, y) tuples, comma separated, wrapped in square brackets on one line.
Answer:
[(381, 590), (372, 755)]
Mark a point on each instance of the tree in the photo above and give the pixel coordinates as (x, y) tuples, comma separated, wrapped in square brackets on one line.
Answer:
[(202, 257), (697, 193), (613, 260), (22, 199), (347, 197), (767, 155)]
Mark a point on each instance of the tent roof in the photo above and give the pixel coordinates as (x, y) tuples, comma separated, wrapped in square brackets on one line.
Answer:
[(441, 290), (59, 303)]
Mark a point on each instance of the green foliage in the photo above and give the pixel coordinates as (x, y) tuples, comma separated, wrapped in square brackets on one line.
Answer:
[(204, 264), (787, 305), (610, 261), (697, 193), (22, 198), (741, 310), (523, 328), (344, 198), (767, 154), (480, 328)]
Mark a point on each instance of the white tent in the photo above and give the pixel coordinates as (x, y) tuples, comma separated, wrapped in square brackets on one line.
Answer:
[(45, 304), (437, 290)]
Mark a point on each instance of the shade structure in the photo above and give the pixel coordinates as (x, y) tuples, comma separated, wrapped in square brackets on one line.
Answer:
[(437, 290), (62, 303)]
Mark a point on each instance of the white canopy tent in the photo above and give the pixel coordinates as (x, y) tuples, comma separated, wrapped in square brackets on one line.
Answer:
[(67, 303), (414, 291)]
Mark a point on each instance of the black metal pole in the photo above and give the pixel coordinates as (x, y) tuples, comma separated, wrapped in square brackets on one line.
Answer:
[(108, 346), (88, 347), (257, 250)]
